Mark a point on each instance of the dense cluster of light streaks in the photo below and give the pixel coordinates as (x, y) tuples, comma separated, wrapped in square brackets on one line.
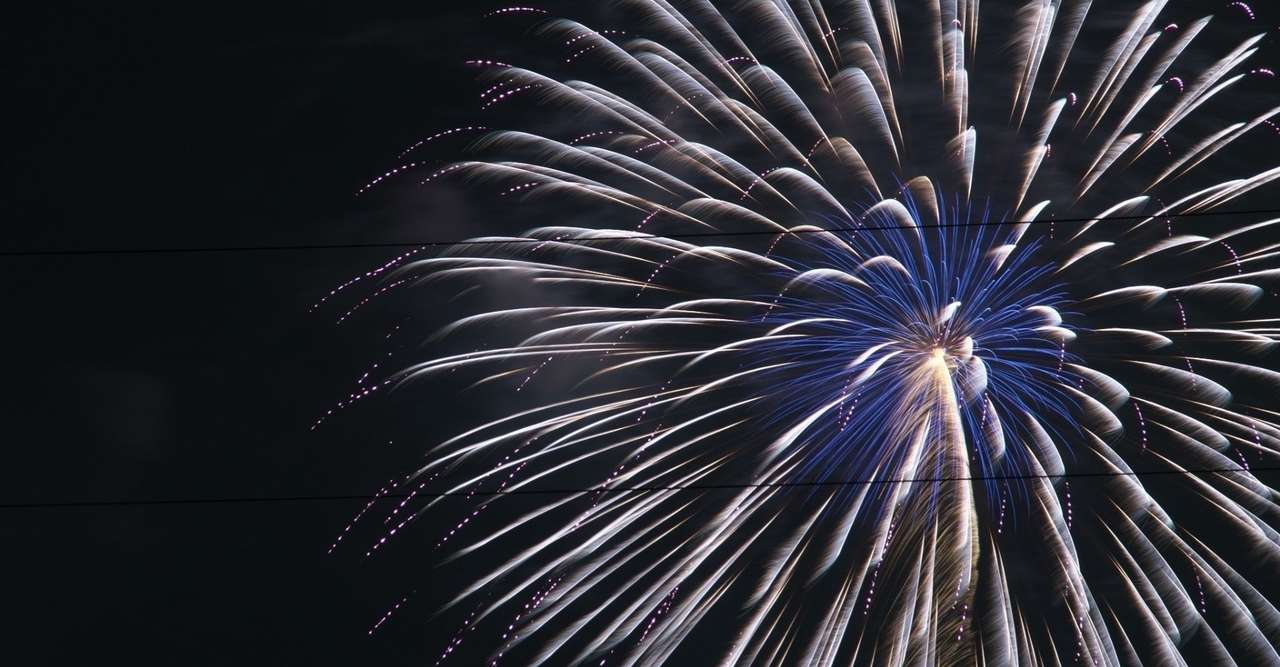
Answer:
[(884, 303)]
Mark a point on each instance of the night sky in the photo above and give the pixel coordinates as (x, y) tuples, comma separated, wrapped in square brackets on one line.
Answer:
[(198, 374)]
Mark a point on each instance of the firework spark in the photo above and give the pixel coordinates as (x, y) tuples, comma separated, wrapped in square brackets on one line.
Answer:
[(989, 362)]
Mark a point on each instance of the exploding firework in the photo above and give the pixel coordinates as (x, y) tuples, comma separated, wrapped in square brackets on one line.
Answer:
[(825, 333)]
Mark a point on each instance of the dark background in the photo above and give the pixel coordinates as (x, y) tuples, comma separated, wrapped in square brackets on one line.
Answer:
[(197, 375)]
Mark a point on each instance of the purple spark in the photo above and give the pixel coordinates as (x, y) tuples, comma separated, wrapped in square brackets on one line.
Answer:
[(515, 10), (1244, 7)]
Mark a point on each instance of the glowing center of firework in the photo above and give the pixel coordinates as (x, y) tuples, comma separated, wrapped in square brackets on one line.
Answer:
[(945, 349), (939, 358), (942, 347), (947, 363), (947, 355)]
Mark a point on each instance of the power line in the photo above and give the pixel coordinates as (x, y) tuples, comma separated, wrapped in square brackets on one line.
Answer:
[(178, 250), (227, 500)]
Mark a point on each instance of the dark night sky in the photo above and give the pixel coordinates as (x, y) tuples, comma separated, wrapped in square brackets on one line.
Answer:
[(196, 375)]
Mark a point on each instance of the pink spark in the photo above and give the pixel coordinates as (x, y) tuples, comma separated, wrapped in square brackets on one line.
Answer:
[(486, 63), (494, 88), (1067, 487), (438, 135), (535, 372), (391, 533), (1263, 71), (657, 613), (1245, 8), (660, 142), (1243, 461), (871, 590), (1235, 257), (536, 601), (367, 274), (580, 52), (1204, 607), (1171, 27), (515, 10), (381, 492), (458, 636), (480, 508), (350, 400), (591, 135), (848, 414), (389, 174), (575, 38), (1142, 425), (519, 188), (1004, 504), (777, 239), (1257, 439), (387, 615), (647, 218), (363, 302), (1071, 99), (816, 144), (688, 103), (554, 239), (649, 281), (507, 94), (964, 617), (747, 192), (442, 172)]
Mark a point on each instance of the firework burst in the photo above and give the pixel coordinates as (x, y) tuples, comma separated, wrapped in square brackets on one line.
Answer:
[(851, 327)]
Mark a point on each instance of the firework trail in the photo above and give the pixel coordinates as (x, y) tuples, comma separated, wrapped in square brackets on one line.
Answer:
[(945, 346)]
